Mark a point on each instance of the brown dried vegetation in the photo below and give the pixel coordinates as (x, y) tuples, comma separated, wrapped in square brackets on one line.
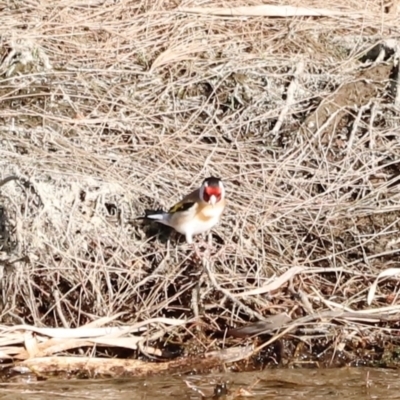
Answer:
[(108, 108)]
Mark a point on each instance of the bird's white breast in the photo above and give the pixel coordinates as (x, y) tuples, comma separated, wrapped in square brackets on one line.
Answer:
[(196, 226)]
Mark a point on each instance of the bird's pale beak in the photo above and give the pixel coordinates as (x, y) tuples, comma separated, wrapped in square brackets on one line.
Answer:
[(213, 200)]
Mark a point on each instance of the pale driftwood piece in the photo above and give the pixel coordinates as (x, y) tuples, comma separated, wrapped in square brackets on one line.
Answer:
[(117, 367), (83, 332)]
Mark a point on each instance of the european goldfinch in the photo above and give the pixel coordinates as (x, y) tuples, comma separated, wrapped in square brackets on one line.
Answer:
[(196, 213)]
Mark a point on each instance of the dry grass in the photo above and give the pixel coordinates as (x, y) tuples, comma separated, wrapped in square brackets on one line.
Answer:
[(109, 108)]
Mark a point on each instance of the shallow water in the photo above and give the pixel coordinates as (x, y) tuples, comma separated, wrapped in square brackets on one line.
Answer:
[(349, 384)]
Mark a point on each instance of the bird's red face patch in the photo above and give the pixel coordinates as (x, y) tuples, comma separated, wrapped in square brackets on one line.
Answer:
[(210, 191)]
